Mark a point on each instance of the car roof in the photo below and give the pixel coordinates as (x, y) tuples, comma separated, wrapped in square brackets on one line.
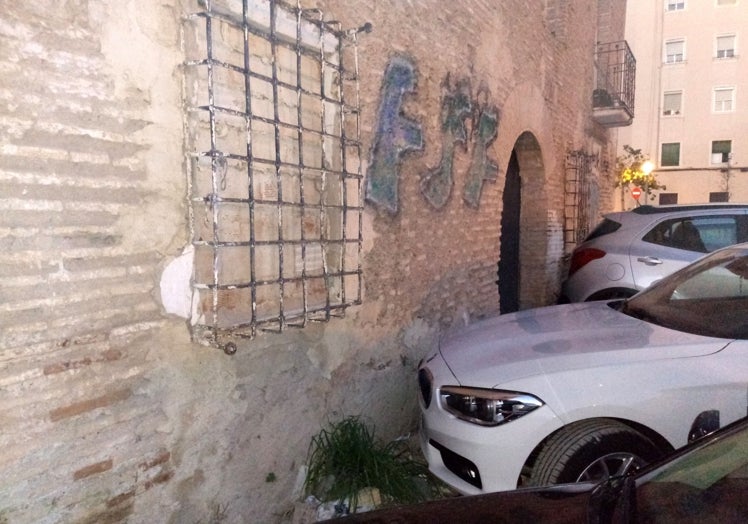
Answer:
[(675, 208), (646, 214)]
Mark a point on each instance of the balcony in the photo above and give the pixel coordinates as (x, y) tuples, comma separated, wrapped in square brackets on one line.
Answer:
[(613, 97)]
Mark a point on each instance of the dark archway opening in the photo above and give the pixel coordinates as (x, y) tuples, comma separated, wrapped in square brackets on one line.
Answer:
[(509, 260)]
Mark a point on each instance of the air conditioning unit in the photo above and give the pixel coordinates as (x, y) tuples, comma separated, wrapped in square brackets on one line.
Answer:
[(717, 158)]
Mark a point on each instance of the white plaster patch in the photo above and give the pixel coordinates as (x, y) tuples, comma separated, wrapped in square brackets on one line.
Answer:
[(176, 291)]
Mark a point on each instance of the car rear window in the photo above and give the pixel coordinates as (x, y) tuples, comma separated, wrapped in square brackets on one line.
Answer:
[(605, 227)]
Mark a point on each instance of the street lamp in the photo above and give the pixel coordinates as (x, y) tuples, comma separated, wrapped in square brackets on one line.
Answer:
[(647, 168)]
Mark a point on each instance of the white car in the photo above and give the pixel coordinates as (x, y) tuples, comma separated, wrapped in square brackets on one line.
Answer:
[(585, 391), (629, 250)]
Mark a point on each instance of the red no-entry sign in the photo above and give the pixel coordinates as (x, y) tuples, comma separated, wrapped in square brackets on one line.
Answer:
[(636, 192)]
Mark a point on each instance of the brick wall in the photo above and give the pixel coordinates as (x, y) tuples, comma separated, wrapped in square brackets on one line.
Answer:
[(109, 412)]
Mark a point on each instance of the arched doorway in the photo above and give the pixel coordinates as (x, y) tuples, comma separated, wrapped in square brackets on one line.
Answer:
[(510, 239), (524, 228)]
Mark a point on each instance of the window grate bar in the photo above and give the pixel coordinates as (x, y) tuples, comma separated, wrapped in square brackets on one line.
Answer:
[(260, 30), (355, 144), (260, 76), (248, 285), (247, 243), (300, 145), (276, 131), (325, 164), (250, 171), (213, 165), (262, 161)]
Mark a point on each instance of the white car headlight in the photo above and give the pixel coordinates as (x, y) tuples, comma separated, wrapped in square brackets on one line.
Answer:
[(487, 407)]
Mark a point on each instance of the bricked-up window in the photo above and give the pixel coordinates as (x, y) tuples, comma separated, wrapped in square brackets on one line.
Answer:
[(274, 167)]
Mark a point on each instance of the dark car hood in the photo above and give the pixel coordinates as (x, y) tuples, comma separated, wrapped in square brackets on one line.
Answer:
[(562, 504)]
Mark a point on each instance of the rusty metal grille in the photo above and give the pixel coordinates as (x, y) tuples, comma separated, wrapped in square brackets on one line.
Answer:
[(579, 197), (274, 175)]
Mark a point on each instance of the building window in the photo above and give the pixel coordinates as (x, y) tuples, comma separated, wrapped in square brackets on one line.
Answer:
[(670, 155), (726, 46), (721, 150), (721, 196), (671, 103), (675, 5), (675, 51), (275, 180), (724, 99)]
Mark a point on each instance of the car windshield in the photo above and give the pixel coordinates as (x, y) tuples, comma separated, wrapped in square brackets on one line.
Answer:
[(709, 297), (706, 485)]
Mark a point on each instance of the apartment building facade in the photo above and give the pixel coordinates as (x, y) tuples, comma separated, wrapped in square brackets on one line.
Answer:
[(691, 89)]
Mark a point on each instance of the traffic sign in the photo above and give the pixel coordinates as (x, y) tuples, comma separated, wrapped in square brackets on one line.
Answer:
[(636, 192)]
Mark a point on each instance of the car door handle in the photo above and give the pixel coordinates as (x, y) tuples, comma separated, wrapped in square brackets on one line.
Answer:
[(650, 261)]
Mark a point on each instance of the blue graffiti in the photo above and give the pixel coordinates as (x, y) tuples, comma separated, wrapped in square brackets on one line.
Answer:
[(436, 186), (482, 167), (395, 136)]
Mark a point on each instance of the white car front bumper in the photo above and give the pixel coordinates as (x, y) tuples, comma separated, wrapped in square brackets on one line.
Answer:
[(477, 459)]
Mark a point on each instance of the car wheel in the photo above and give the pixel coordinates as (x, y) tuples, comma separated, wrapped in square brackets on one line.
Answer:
[(592, 450)]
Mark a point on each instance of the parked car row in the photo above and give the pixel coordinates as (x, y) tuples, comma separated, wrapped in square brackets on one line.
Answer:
[(589, 407), (587, 390)]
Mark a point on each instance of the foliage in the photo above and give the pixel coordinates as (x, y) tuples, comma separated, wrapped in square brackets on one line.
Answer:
[(629, 171), (346, 458)]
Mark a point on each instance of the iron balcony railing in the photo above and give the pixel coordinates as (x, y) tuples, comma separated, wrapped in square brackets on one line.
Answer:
[(613, 97)]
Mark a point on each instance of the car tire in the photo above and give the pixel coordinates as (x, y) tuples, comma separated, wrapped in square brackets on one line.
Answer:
[(592, 450)]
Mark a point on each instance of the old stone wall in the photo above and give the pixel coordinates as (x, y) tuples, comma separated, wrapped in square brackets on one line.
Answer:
[(109, 411)]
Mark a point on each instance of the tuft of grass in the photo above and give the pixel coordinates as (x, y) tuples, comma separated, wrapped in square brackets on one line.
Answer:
[(346, 458)]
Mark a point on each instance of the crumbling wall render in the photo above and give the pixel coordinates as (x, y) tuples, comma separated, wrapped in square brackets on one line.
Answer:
[(90, 174), (109, 412)]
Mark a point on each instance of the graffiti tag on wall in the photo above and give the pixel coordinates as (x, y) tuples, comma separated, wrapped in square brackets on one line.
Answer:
[(436, 186), (397, 134), (482, 168)]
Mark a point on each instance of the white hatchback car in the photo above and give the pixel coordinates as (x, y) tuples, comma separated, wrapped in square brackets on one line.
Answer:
[(630, 250), (584, 391)]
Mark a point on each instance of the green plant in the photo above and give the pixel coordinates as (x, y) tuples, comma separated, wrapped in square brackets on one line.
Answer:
[(629, 171), (345, 458)]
